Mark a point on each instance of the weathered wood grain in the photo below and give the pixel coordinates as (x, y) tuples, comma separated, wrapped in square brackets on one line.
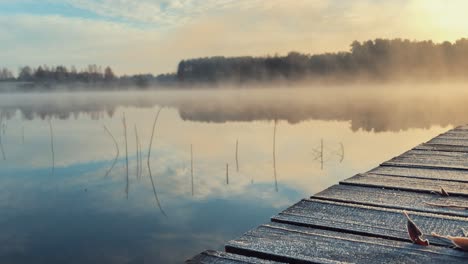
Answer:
[(408, 184), (296, 244), (422, 173), (217, 257), (438, 147), (369, 220), (452, 141), (461, 127), (453, 135), (431, 159), (457, 132), (388, 198)]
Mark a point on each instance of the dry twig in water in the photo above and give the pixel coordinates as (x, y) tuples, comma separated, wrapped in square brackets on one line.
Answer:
[(237, 157), (138, 169), (124, 122), (1, 138), (52, 146), (116, 147), (191, 168), (274, 156), (148, 163), (227, 173)]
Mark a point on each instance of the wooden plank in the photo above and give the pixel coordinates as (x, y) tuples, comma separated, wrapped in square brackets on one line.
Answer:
[(462, 128), (431, 159), (369, 220), (460, 134), (388, 198), (449, 141), (446, 148), (408, 184), (296, 244), (423, 173), (455, 133), (217, 257)]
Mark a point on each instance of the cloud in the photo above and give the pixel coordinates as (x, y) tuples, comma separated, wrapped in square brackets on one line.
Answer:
[(36, 40), (170, 13), (153, 36)]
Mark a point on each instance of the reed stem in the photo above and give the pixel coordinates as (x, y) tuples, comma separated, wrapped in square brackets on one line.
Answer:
[(237, 156), (137, 154), (191, 168), (116, 147), (1, 138), (148, 163), (52, 146), (274, 156), (124, 121), (227, 173)]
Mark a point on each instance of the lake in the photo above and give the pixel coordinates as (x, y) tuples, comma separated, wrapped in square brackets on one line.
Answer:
[(222, 161)]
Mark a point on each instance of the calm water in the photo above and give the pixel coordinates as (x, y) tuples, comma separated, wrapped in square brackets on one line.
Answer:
[(60, 207)]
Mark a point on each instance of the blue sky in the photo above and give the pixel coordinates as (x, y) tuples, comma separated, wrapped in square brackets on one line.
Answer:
[(45, 8), (153, 35)]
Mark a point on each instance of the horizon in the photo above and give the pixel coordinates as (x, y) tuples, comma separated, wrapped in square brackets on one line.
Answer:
[(101, 68), (153, 36)]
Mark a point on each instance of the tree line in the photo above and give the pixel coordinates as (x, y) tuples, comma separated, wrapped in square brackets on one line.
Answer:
[(92, 73), (6, 75), (50, 77), (379, 59)]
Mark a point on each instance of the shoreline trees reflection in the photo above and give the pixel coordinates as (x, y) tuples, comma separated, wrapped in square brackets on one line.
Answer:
[(378, 109)]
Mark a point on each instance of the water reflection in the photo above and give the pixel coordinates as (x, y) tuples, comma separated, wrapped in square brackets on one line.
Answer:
[(2, 134), (371, 109), (274, 155), (191, 169), (117, 154), (93, 208), (149, 165), (227, 173), (322, 157), (52, 146), (237, 155)]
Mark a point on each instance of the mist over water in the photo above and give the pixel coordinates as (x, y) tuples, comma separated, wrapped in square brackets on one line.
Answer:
[(371, 108), (59, 206)]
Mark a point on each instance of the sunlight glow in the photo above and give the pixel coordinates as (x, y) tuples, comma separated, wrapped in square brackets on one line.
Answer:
[(444, 20)]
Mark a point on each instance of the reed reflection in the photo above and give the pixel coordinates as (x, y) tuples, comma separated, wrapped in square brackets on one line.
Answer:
[(324, 154), (274, 155), (149, 165), (377, 109), (52, 145), (116, 149), (2, 134)]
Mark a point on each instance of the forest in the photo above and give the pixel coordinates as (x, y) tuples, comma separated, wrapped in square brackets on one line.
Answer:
[(92, 77), (373, 60)]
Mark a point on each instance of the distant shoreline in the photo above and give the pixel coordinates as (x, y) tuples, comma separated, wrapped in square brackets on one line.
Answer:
[(373, 61)]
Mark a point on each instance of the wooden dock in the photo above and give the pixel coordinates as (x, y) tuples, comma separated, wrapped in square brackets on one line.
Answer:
[(360, 220)]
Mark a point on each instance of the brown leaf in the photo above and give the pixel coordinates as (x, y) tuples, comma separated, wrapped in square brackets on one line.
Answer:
[(459, 242), (443, 192), (414, 232)]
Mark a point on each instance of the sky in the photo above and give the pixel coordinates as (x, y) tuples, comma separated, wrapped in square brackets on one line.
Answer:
[(152, 36)]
